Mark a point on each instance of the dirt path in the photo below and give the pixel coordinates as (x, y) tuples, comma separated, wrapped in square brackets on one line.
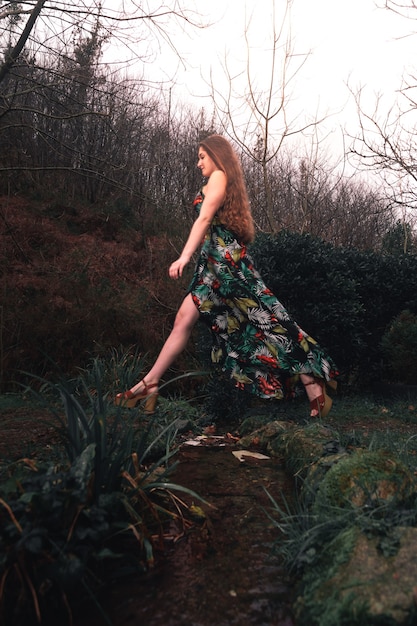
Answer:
[(225, 574)]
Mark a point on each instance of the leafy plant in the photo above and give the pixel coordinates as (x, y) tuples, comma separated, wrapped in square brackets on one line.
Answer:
[(302, 535), (62, 525), (117, 369)]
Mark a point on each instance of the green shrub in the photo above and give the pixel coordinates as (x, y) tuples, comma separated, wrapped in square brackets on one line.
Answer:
[(343, 297), (399, 347)]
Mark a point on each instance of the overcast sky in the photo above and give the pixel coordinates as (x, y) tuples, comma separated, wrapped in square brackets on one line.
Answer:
[(346, 40), (341, 41), (344, 36)]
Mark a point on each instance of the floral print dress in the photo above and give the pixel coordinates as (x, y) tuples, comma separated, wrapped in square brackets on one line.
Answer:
[(255, 340)]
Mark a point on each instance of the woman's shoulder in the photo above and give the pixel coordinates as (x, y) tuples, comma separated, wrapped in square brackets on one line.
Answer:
[(218, 177), (215, 186)]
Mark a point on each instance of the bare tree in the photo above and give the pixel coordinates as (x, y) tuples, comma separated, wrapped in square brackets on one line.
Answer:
[(12, 55), (62, 109), (311, 197), (254, 107), (386, 142), (129, 23)]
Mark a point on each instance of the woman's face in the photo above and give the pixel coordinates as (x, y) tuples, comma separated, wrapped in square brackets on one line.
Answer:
[(205, 163)]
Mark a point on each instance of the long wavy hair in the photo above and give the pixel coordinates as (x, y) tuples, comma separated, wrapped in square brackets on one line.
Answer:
[(235, 213)]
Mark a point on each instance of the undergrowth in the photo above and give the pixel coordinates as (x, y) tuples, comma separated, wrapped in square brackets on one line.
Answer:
[(99, 508), (67, 527), (363, 490)]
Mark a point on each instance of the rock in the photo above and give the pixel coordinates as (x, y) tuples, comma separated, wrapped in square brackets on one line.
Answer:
[(304, 446), (262, 438), (349, 577), (358, 583), (315, 474), (364, 479)]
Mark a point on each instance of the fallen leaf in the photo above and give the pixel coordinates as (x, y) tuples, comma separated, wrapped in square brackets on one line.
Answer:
[(240, 454)]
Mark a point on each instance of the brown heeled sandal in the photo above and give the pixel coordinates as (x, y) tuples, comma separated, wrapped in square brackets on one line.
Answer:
[(323, 403), (128, 399)]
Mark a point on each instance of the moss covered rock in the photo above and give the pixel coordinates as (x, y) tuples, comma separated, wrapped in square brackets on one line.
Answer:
[(304, 446), (364, 478), (267, 437), (315, 474), (355, 582)]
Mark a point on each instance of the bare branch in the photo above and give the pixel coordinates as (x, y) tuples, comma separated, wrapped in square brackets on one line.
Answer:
[(13, 55), (253, 105)]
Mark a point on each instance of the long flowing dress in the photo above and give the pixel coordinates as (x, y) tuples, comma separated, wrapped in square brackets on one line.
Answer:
[(255, 340)]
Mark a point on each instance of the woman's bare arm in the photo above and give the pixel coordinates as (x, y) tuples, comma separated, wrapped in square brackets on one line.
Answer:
[(214, 194)]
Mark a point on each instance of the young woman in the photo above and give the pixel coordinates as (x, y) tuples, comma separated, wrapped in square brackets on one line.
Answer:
[(255, 339)]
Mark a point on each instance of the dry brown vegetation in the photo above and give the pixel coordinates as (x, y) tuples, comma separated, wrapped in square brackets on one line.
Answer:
[(76, 283)]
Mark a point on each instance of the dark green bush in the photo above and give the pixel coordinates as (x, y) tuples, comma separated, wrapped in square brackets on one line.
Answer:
[(345, 298), (399, 347), (311, 278)]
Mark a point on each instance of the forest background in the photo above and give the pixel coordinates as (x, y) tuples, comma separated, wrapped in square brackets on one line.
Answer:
[(98, 174)]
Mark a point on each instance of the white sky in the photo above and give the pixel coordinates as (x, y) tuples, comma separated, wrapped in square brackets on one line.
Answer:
[(349, 40)]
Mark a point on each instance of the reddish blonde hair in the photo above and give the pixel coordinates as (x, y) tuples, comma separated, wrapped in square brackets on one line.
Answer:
[(235, 212)]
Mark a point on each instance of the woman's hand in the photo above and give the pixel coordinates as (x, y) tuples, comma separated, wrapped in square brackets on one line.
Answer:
[(177, 267)]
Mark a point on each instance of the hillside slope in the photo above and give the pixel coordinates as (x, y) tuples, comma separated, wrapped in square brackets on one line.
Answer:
[(76, 282)]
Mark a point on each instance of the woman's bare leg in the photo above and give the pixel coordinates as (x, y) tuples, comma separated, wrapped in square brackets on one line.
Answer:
[(320, 402), (177, 340), (313, 391)]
